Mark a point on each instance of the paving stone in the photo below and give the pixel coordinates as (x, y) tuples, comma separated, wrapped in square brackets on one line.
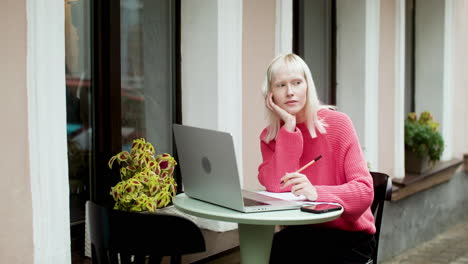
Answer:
[(450, 246)]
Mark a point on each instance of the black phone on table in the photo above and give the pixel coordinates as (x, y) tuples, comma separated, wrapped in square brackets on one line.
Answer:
[(320, 208)]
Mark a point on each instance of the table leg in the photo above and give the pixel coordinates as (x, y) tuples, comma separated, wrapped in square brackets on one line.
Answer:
[(255, 243)]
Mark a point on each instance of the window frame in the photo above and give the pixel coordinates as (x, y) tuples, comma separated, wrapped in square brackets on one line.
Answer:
[(106, 101)]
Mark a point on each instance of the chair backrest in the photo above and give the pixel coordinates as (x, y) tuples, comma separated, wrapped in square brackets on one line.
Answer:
[(140, 237), (382, 193)]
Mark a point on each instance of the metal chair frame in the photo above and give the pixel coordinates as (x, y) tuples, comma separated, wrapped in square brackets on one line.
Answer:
[(382, 193)]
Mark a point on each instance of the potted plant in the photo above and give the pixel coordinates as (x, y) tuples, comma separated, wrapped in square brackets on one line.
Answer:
[(423, 143), (147, 182)]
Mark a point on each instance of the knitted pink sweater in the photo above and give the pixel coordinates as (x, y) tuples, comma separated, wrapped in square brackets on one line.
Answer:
[(340, 176)]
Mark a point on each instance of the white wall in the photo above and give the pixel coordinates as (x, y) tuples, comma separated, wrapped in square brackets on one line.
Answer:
[(211, 38), (199, 48)]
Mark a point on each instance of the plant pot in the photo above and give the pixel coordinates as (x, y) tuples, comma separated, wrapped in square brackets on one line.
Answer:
[(414, 164)]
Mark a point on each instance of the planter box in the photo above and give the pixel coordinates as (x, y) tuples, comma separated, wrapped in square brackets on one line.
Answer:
[(416, 165)]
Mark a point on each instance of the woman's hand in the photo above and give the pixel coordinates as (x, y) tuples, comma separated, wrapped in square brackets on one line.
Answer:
[(301, 185), (289, 120)]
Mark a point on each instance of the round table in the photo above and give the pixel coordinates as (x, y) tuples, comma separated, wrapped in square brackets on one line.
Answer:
[(255, 229)]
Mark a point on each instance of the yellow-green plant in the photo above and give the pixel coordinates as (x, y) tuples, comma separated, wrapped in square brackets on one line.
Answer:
[(422, 136), (147, 182)]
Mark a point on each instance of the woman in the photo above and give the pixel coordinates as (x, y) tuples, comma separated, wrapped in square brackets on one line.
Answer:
[(301, 129)]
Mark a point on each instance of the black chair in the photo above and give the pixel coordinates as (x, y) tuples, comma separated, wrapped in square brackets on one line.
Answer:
[(140, 237), (382, 193)]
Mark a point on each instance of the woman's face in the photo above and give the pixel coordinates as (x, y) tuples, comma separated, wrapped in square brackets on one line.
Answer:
[(289, 90)]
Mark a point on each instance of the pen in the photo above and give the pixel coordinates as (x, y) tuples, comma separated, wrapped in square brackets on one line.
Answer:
[(306, 166)]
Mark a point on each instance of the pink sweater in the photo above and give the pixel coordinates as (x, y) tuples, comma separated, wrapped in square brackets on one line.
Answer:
[(340, 176)]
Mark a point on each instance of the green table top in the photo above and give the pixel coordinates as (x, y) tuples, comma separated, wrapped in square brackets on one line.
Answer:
[(284, 217)]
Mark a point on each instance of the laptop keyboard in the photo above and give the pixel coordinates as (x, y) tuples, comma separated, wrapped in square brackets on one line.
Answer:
[(250, 202)]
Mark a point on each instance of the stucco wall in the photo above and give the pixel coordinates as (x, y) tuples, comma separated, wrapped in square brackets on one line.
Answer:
[(387, 86), (258, 49), (16, 235)]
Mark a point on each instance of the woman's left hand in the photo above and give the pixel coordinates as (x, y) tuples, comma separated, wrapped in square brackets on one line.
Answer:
[(301, 185)]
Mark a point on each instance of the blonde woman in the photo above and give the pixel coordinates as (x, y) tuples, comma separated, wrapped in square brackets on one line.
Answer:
[(301, 129)]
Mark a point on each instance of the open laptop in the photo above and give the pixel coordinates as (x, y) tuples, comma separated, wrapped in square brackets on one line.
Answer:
[(209, 172)]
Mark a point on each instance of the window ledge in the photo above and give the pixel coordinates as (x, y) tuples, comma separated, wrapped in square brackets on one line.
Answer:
[(414, 183)]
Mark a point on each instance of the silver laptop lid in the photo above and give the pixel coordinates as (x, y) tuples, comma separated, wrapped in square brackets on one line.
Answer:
[(208, 165)]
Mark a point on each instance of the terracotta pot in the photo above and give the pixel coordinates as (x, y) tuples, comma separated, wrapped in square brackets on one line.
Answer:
[(414, 164)]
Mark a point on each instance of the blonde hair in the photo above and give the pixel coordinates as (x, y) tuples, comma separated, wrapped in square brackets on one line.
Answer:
[(295, 63)]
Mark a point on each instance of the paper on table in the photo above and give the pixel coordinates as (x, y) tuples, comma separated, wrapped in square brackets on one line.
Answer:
[(289, 196)]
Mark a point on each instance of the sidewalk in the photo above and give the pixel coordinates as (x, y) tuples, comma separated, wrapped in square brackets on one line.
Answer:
[(448, 247)]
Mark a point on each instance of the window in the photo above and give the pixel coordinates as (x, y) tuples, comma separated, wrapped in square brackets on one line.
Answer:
[(122, 84), (428, 79), (79, 88), (410, 12), (314, 39)]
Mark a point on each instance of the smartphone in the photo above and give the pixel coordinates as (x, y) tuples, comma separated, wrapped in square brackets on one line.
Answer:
[(320, 208)]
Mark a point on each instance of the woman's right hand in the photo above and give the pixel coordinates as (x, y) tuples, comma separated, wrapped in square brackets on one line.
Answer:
[(289, 120), (300, 185)]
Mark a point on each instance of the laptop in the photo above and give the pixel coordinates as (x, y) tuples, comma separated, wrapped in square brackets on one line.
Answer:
[(209, 172)]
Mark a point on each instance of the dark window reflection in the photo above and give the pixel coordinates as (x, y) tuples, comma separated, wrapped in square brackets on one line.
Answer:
[(147, 66), (78, 92)]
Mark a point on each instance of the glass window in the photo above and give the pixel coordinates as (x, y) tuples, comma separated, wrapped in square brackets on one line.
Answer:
[(78, 100), (147, 72), (114, 99), (314, 39), (409, 57)]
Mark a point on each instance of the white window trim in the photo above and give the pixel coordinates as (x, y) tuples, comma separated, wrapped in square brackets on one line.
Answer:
[(47, 131), (372, 82), (284, 26), (399, 103), (211, 49), (447, 112), (211, 67), (230, 74)]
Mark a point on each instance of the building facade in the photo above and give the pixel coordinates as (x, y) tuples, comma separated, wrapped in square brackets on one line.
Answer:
[(384, 52)]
